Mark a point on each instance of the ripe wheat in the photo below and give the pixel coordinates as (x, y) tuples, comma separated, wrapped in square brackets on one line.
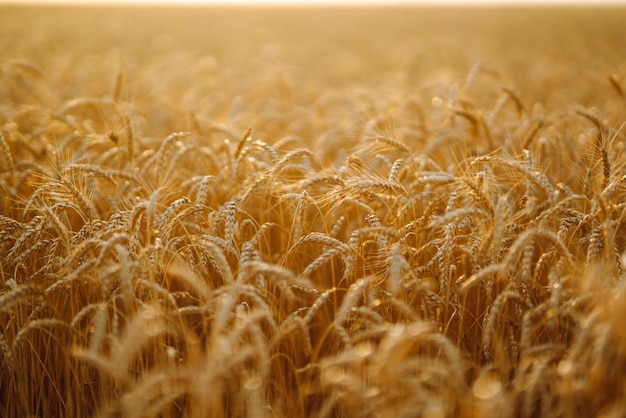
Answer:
[(359, 223)]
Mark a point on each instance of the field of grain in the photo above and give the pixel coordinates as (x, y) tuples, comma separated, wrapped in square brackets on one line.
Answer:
[(312, 212)]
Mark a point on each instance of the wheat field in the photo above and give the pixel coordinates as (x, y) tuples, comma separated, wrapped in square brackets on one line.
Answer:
[(312, 212)]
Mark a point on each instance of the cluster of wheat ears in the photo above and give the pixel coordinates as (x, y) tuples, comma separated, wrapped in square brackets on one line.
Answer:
[(456, 255)]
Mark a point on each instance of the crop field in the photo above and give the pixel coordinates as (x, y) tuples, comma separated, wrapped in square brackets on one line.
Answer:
[(312, 212)]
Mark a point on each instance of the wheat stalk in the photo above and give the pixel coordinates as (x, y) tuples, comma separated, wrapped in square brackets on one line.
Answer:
[(14, 296)]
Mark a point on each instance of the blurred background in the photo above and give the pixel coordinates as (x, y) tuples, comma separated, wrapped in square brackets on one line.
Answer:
[(327, 2)]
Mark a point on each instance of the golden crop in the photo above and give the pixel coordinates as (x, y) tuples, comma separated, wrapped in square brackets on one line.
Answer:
[(309, 212)]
